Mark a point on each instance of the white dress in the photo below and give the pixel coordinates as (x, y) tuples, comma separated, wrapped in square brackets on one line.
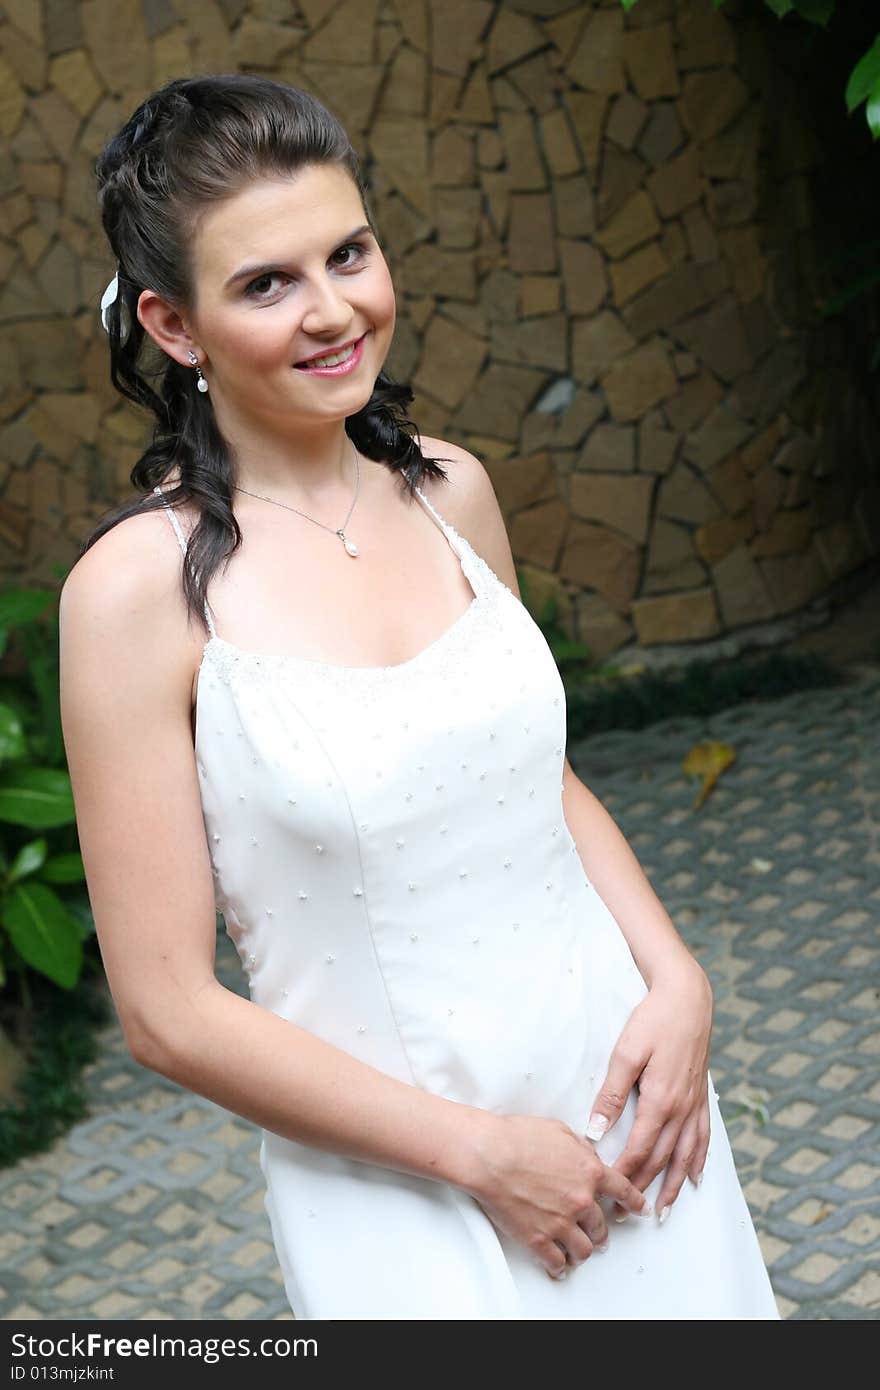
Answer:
[(393, 865)]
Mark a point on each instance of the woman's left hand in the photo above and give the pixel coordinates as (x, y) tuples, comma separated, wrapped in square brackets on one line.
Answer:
[(664, 1049)]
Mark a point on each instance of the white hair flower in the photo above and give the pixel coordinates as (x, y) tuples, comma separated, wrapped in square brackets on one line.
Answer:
[(107, 298)]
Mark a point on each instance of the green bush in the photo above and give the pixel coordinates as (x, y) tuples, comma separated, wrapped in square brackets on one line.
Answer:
[(45, 917)]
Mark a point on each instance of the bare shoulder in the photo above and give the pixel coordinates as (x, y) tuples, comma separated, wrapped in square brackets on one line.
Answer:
[(122, 601), (468, 500), (126, 654)]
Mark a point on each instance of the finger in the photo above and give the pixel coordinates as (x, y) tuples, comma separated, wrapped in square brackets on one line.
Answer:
[(613, 1184), (596, 1227), (704, 1126), (679, 1164), (552, 1256), (646, 1129), (624, 1069), (660, 1154), (578, 1245)]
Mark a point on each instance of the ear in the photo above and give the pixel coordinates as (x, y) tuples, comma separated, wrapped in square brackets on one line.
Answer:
[(165, 326)]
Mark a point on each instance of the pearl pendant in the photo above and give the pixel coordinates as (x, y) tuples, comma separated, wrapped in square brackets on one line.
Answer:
[(350, 546), (202, 384)]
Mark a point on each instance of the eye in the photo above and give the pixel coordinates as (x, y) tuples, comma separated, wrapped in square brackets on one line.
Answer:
[(261, 280), (355, 246)]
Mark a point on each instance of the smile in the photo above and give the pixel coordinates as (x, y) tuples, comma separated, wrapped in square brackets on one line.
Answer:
[(334, 363)]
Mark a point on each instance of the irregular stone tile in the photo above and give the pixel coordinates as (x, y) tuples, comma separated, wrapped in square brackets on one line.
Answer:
[(456, 28), (635, 272), (714, 539), (531, 240), (583, 275), (650, 61), (574, 207), (677, 184), (717, 337), (626, 120), (401, 148), (75, 78), (525, 168), (28, 60), (596, 558), (638, 381), (475, 102), (743, 596), (497, 400), (512, 37), (622, 176), (663, 135), (538, 82), (681, 617), (452, 158), (540, 342), (683, 496), (596, 60), (706, 38), (791, 530), (434, 270), (12, 100), (560, 149), (719, 434), (349, 89), (450, 362), (657, 446), (522, 480), (537, 533), (621, 501), (635, 223), (412, 16), (596, 342), (587, 111), (768, 491), (539, 294), (598, 626), (457, 217), (710, 101), (347, 36), (406, 86), (730, 481)]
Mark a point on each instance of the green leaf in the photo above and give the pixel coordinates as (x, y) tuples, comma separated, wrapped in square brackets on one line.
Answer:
[(816, 11), (43, 932), (12, 739), (780, 7), (864, 77), (19, 606), (873, 112), (627, 4), (38, 797), (64, 868), (28, 859)]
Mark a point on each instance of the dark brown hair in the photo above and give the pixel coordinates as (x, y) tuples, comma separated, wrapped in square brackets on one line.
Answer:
[(195, 141)]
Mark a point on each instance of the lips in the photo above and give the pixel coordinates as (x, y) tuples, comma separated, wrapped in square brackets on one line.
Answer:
[(329, 352)]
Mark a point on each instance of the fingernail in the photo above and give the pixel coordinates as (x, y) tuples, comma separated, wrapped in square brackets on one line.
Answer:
[(700, 1180), (602, 1248), (597, 1127), (563, 1274), (621, 1218), (646, 1211), (663, 1215)]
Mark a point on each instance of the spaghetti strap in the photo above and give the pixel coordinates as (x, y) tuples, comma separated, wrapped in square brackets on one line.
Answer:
[(172, 517), (446, 527)]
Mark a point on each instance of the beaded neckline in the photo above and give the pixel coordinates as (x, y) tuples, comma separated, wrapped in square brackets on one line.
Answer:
[(224, 655)]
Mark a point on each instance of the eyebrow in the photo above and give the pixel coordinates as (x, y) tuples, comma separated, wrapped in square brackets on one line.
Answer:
[(263, 269)]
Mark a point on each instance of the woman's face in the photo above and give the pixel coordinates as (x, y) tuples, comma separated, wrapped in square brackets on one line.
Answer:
[(286, 269)]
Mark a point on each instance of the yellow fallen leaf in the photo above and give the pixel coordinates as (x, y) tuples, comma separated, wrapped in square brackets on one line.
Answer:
[(707, 760)]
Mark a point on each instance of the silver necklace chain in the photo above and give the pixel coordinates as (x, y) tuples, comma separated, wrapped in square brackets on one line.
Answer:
[(350, 547)]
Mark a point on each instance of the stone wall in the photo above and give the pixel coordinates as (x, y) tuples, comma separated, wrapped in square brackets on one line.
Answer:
[(593, 295)]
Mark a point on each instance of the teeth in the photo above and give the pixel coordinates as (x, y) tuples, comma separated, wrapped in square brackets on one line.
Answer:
[(332, 360)]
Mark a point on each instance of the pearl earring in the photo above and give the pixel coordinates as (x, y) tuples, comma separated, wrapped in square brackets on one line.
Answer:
[(202, 383)]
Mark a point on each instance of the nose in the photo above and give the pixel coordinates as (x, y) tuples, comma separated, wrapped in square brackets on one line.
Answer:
[(328, 308)]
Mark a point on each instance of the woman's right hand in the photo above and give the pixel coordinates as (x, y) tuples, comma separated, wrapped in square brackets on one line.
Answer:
[(540, 1182)]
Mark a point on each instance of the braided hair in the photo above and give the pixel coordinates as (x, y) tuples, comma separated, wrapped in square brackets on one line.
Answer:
[(194, 141)]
